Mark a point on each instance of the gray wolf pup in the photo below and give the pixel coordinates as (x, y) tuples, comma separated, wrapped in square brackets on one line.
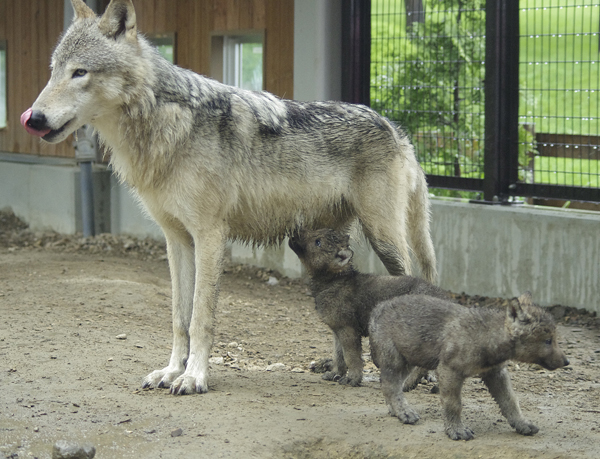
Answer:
[(212, 163), (344, 297), (460, 342)]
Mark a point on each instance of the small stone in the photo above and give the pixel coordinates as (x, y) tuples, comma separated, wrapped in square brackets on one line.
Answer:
[(176, 432), (276, 367), (216, 360), (272, 281), (64, 449), (121, 336), (298, 370)]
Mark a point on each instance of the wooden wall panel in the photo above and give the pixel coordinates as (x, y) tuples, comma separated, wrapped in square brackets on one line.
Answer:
[(279, 47), (31, 29)]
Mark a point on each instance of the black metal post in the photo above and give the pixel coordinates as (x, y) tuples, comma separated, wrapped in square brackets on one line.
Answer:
[(501, 100), (356, 51)]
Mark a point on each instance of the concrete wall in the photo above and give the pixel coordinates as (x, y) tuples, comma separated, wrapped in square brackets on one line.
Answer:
[(494, 251)]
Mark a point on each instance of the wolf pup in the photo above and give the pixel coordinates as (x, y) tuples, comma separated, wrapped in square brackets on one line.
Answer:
[(344, 297), (212, 163), (460, 342)]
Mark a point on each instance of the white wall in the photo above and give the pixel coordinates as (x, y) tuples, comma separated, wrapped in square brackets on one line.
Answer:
[(318, 50)]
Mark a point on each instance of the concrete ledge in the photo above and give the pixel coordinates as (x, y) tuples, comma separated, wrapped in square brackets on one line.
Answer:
[(485, 250)]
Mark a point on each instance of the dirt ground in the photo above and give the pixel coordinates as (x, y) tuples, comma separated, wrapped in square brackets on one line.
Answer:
[(83, 321)]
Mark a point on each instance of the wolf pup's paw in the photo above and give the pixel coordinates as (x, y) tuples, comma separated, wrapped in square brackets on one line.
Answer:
[(460, 433), (322, 366), (331, 376), (185, 385), (526, 428), (408, 416), (349, 380)]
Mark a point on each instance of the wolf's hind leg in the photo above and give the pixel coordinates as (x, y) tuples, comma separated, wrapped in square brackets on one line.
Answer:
[(382, 209), (498, 382), (181, 264), (393, 373)]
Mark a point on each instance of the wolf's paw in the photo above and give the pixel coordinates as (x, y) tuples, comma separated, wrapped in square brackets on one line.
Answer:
[(460, 433), (185, 385), (331, 376), (349, 380), (408, 415), (526, 428), (322, 366), (161, 378)]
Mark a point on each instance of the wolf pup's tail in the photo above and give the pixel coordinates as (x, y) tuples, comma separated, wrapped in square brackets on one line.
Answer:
[(419, 214)]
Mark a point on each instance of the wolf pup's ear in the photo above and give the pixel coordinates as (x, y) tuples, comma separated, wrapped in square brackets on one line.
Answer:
[(119, 20), (82, 11), (519, 308)]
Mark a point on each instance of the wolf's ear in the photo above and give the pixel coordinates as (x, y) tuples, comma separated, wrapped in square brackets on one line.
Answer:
[(344, 256), (519, 308), (119, 20), (525, 299), (82, 11)]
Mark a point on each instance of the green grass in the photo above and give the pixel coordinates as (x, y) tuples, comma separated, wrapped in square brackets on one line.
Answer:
[(567, 171), (559, 50)]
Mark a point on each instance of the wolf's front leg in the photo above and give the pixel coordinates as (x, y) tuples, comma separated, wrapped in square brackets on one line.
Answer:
[(450, 393), (209, 249), (498, 382), (350, 342), (181, 264), (338, 364)]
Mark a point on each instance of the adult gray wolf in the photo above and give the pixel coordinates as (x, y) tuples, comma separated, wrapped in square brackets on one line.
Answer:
[(344, 297), (460, 342), (211, 162)]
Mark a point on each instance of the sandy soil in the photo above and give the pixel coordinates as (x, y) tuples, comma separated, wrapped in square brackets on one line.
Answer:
[(82, 322)]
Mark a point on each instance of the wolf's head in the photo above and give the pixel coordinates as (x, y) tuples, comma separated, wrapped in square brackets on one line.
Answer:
[(534, 332), (94, 69), (323, 251)]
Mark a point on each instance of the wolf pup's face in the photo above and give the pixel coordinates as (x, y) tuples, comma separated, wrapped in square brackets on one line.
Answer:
[(88, 75), (535, 333), (322, 251)]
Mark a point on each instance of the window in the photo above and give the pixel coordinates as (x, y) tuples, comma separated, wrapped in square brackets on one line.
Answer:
[(3, 95), (165, 42), (237, 60)]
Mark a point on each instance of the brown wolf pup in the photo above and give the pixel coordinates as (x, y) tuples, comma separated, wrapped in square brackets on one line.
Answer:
[(344, 297), (418, 330)]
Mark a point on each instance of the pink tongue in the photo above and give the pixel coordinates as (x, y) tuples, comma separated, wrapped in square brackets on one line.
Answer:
[(25, 117)]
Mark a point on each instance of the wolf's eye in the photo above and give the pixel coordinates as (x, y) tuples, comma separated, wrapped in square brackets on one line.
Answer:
[(318, 242), (79, 73), (549, 342)]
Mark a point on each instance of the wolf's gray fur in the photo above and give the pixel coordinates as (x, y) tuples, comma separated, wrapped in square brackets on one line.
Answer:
[(211, 162), (344, 297), (460, 342)]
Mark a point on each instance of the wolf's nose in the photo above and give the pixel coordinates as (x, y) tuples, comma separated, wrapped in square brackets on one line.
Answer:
[(566, 361), (37, 121)]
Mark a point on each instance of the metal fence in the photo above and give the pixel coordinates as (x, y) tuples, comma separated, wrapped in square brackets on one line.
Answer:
[(500, 97)]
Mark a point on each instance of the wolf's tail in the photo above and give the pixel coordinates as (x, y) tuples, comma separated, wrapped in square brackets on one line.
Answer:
[(419, 214)]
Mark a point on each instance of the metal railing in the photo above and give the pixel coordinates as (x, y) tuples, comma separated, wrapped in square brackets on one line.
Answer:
[(500, 96)]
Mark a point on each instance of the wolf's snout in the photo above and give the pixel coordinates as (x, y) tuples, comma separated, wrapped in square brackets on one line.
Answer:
[(35, 122)]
